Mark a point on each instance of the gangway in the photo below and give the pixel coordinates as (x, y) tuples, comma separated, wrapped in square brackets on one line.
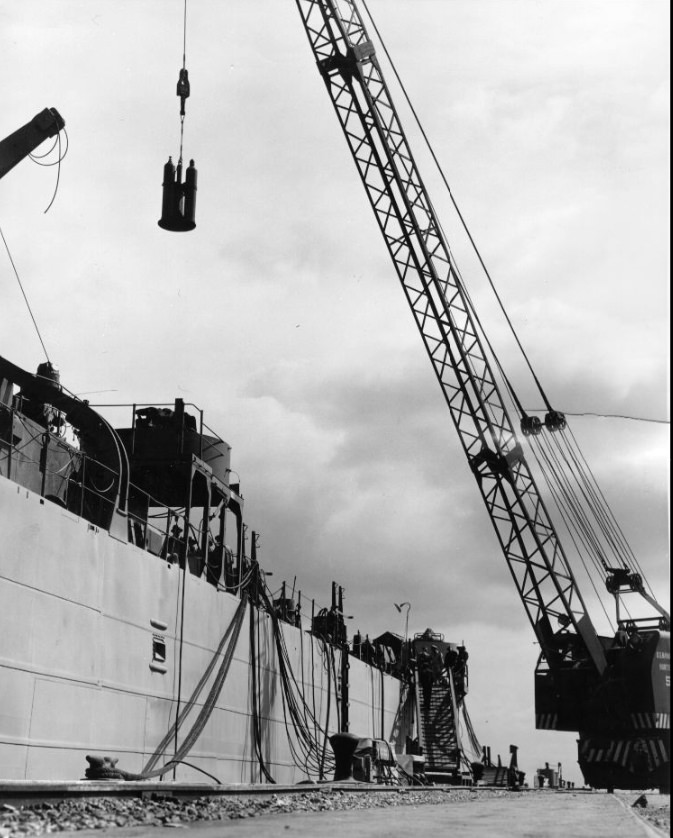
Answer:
[(437, 702)]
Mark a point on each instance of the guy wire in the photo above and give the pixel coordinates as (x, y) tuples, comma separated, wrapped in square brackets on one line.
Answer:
[(30, 311)]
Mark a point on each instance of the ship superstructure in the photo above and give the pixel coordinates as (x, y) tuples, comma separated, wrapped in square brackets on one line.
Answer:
[(135, 618)]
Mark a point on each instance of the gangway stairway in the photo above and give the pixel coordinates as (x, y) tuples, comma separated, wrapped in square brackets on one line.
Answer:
[(437, 725)]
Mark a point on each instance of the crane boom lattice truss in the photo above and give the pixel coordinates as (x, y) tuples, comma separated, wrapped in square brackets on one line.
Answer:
[(348, 64)]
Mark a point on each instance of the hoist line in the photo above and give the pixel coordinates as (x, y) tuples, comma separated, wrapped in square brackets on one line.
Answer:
[(458, 212), (592, 507), (182, 134), (602, 512), (184, 37), (592, 534), (184, 66), (565, 498), (30, 311), (571, 525), (582, 526), (616, 522), (597, 503)]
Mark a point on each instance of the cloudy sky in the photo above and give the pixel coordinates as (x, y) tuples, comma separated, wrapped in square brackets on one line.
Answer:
[(280, 315)]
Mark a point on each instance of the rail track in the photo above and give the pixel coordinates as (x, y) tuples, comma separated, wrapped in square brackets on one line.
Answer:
[(31, 793)]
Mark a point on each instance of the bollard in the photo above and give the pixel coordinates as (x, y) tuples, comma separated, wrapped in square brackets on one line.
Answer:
[(344, 745)]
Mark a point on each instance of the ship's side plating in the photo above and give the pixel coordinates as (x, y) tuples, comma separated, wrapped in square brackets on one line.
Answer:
[(106, 635)]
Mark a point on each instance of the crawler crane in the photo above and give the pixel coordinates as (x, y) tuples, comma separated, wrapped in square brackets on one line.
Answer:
[(612, 690)]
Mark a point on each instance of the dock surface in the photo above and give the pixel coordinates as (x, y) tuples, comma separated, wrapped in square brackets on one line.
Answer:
[(528, 815)]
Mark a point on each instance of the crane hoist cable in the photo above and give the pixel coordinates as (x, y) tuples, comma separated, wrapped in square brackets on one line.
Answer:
[(616, 524), (586, 515), (601, 509), (183, 89), (567, 461)]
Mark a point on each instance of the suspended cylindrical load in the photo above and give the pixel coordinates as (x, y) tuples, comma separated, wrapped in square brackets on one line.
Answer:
[(167, 204), (190, 194), (178, 204)]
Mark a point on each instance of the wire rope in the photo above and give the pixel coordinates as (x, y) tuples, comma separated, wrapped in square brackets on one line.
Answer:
[(555, 471), (18, 279), (310, 737), (620, 416), (184, 68), (572, 529), (598, 505)]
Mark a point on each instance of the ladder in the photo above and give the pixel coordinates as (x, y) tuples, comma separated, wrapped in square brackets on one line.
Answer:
[(438, 733)]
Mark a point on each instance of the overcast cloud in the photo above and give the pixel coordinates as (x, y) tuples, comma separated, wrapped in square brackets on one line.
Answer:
[(280, 314)]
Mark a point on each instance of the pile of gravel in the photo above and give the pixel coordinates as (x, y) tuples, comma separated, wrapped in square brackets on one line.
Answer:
[(99, 813), (654, 808)]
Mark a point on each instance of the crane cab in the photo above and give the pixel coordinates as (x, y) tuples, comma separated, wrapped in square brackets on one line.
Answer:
[(623, 716)]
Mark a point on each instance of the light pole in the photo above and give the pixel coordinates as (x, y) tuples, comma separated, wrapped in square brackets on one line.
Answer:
[(399, 607), (407, 605)]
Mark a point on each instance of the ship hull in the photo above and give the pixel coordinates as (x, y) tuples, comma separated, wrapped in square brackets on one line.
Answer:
[(103, 643)]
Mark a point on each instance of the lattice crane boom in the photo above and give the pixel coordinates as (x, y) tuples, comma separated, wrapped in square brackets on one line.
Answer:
[(348, 64)]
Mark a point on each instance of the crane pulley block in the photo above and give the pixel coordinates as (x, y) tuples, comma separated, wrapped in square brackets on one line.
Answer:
[(555, 421), (183, 89), (531, 425), (622, 579)]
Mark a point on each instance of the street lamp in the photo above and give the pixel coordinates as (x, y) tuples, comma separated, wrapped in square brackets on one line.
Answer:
[(405, 654), (399, 607)]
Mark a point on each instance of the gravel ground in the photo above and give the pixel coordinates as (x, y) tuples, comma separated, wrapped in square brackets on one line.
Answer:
[(105, 813), (657, 812), (102, 813)]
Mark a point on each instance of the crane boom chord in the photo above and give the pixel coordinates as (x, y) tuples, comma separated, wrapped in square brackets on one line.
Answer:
[(348, 64)]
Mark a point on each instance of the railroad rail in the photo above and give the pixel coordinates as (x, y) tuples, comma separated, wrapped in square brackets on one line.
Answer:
[(22, 793)]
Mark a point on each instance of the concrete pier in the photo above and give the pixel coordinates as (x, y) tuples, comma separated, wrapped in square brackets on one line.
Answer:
[(543, 814)]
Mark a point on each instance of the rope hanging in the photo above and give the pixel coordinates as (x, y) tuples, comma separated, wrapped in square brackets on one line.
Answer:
[(39, 159)]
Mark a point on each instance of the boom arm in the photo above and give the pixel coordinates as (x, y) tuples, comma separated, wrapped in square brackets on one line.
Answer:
[(347, 62), (18, 145)]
